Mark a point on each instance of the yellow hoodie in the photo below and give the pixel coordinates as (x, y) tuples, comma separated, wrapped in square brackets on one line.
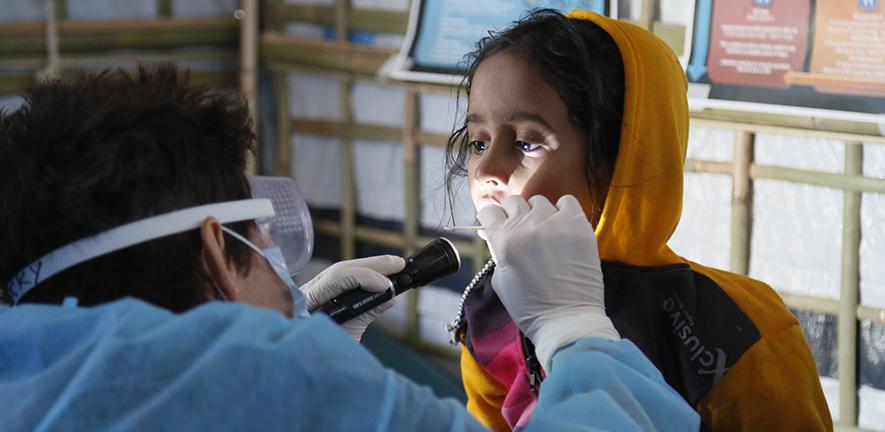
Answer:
[(726, 342)]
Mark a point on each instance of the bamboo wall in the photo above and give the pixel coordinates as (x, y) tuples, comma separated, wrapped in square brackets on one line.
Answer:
[(85, 44)]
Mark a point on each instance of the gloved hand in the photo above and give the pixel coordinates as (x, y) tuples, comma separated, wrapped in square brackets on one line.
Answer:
[(547, 272), (366, 273)]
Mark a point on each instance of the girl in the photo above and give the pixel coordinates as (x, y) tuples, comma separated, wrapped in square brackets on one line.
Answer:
[(593, 107)]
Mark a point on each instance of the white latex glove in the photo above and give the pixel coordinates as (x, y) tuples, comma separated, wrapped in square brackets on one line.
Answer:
[(547, 272), (366, 273)]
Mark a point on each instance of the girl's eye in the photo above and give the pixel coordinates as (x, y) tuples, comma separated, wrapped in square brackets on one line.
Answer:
[(478, 146), (527, 147)]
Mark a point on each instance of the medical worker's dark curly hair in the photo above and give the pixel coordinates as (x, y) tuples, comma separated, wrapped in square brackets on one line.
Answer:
[(110, 148), (582, 63)]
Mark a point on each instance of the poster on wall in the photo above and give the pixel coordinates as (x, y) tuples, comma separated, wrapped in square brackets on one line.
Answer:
[(442, 32), (820, 58)]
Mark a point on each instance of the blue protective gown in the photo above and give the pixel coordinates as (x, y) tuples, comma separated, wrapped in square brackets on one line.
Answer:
[(128, 365)]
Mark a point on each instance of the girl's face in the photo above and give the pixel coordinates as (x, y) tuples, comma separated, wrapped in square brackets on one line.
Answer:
[(521, 138)]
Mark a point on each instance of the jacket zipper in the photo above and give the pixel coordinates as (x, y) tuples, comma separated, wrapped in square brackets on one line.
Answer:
[(457, 325), (533, 366)]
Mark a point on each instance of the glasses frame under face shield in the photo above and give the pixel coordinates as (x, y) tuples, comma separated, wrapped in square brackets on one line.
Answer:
[(262, 210)]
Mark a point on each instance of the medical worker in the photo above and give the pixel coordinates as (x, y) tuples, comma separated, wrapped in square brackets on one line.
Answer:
[(596, 108), (150, 289)]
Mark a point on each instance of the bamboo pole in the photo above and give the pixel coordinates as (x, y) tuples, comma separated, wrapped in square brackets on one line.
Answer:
[(845, 181), (370, 20), (164, 8), (372, 76), (869, 313), (348, 182), (351, 130), (376, 236), (283, 163), (278, 65), (348, 179), (646, 14), (248, 16), (336, 55), (413, 204), (272, 24), (433, 138), (708, 167), (847, 328), (20, 39), (61, 9), (381, 237), (342, 20), (809, 303), (327, 227), (769, 122), (410, 161), (82, 60), (831, 307), (86, 27), (803, 130), (741, 203), (672, 34), (52, 52)]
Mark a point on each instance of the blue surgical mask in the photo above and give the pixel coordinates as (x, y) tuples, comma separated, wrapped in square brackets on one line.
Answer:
[(274, 256)]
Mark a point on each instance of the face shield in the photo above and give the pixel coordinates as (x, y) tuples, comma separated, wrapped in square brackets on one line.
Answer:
[(289, 232), (282, 226)]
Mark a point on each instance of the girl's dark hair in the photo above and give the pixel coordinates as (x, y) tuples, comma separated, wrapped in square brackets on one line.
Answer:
[(582, 63), (83, 157)]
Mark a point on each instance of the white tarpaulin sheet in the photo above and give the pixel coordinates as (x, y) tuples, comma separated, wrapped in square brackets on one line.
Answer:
[(316, 166), (704, 231), (872, 233), (797, 229)]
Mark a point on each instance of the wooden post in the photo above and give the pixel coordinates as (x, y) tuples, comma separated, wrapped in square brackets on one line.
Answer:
[(412, 179), (348, 179), (284, 157), (647, 15), (848, 298), (342, 20), (741, 202), (53, 59), (61, 9), (164, 8), (413, 204), (248, 16)]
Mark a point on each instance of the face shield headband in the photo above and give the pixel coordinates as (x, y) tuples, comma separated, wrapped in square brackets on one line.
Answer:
[(282, 220)]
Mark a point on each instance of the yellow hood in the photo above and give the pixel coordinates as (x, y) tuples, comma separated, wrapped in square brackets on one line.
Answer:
[(644, 200)]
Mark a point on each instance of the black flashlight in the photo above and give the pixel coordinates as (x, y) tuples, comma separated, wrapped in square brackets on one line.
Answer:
[(437, 259)]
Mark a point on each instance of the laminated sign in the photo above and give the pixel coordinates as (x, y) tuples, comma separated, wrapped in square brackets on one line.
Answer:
[(442, 32), (823, 58)]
